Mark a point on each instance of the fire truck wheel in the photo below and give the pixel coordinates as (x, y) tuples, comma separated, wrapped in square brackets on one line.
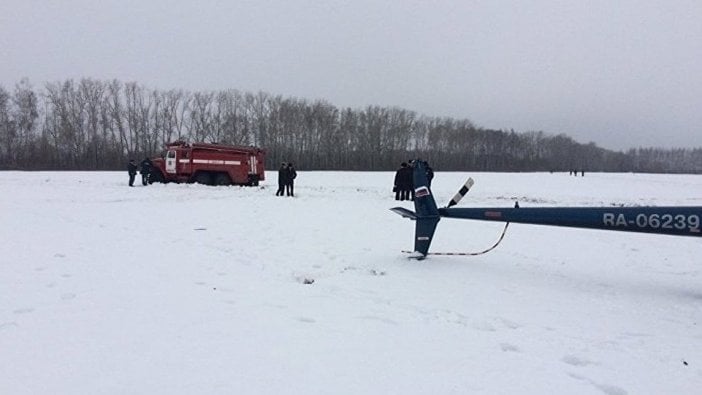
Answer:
[(203, 178), (222, 179), (253, 181), (155, 176)]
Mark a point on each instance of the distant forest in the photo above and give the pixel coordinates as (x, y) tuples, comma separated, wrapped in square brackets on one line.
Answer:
[(98, 125)]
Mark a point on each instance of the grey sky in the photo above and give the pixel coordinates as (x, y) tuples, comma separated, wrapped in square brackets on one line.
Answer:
[(619, 73)]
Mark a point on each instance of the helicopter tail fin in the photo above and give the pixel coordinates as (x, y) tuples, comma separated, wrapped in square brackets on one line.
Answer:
[(426, 213)]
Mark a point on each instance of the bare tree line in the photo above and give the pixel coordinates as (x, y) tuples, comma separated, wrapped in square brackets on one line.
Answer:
[(98, 125)]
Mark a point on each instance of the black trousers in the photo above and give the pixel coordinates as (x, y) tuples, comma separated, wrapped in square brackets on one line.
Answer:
[(281, 190), (131, 179), (145, 179), (289, 188)]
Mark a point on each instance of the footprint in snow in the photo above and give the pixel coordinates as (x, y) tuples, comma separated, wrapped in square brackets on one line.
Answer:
[(509, 324), (450, 317), (23, 311), (484, 326), (606, 388), (509, 347), (577, 361)]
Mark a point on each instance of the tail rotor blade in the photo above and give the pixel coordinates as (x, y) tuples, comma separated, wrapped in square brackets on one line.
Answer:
[(462, 192)]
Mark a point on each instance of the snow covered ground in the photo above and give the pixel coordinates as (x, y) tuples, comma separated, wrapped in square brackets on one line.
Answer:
[(188, 289)]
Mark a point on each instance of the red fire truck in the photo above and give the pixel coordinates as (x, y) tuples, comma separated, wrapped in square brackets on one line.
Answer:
[(210, 164)]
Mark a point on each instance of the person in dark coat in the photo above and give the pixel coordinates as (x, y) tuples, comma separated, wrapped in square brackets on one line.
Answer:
[(408, 177), (403, 182), (282, 179), (146, 166), (132, 170), (397, 184), (292, 174)]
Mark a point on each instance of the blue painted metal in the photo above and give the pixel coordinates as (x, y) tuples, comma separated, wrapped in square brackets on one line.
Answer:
[(679, 221), (425, 209), (675, 220)]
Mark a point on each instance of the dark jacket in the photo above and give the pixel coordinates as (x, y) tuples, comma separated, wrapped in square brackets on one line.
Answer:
[(283, 175), (292, 174), (132, 168), (404, 178), (146, 166)]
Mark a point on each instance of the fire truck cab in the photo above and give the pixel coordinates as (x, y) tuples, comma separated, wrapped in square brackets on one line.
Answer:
[(210, 164)]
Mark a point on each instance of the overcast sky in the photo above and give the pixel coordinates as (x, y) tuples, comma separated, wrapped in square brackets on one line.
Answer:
[(619, 73)]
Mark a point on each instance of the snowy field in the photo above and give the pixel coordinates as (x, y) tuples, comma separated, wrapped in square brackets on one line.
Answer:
[(188, 289)]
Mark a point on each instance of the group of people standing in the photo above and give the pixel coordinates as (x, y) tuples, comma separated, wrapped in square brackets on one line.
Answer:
[(404, 181), (286, 179), (144, 167)]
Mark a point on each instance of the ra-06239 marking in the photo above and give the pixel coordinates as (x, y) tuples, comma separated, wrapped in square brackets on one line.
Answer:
[(690, 222)]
